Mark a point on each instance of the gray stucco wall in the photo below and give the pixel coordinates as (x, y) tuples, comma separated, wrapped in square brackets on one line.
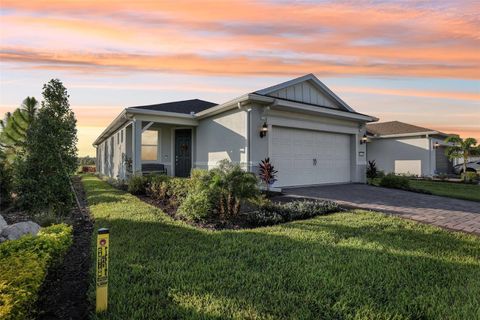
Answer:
[(405, 153), (221, 137)]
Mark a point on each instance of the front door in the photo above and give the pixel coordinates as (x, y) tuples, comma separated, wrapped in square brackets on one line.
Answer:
[(183, 152)]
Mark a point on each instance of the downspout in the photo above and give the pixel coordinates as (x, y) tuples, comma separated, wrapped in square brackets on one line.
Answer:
[(247, 137), (429, 156)]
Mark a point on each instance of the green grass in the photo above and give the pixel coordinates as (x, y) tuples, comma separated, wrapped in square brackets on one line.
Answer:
[(352, 265), (449, 189)]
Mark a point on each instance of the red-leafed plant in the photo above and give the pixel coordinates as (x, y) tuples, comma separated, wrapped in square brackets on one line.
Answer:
[(267, 173)]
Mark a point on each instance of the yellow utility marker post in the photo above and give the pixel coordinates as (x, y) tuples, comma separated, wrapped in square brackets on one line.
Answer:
[(102, 269)]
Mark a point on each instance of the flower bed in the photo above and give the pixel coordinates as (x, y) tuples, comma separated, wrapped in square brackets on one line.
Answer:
[(225, 197)]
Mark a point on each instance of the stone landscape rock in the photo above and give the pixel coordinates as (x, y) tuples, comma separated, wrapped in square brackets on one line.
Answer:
[(16, 230), (3, 223)]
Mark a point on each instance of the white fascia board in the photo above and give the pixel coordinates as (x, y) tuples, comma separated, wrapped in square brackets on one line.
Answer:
[(300, 107), (129, 113), (135, 111), (232, 104), (404, 135), (285, 84), (114, 125)]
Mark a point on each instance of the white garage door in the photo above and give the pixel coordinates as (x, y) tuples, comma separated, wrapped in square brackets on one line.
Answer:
[(304, 157)]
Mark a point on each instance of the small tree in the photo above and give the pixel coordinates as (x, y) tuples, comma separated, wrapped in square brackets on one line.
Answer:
[(462, 149), (43, 179), (267, 173)]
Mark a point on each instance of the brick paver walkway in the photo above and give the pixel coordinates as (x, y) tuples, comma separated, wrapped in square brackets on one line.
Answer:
[(454, 214)]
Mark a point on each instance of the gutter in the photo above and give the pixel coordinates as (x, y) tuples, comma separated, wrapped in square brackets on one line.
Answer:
[(111, 126), (400, 135), (128, 113), (232, 104)]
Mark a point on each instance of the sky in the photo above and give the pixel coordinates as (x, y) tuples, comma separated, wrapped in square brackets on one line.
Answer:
[(411, 61)]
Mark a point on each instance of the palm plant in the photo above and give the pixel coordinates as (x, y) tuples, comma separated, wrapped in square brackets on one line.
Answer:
[(233, 185), (462, 149), (15, 126)]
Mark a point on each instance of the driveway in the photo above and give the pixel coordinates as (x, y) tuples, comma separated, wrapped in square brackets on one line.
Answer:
[(454, 214)]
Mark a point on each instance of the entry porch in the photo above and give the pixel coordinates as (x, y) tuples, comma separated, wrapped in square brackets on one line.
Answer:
[(155, 146)]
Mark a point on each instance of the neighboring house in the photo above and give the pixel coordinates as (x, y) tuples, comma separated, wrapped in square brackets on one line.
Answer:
[(403, 148), (310, 134)]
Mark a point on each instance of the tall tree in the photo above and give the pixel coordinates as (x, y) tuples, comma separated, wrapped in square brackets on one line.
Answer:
[(43, 180), (14, 128), (462, 149)]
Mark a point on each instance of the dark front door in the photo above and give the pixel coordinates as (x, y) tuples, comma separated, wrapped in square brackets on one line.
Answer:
[(183, 152)]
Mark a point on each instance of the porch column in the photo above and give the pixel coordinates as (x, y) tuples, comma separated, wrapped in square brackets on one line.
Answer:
[(136, 146)]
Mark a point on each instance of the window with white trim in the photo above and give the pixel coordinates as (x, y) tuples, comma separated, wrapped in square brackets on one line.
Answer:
[(150, 145)]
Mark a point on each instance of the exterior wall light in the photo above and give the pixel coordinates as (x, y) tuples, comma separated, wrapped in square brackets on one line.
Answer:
[(364, 139), (436, 145), (263, 130)]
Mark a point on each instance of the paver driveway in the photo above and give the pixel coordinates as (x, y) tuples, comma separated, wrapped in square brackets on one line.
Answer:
[(445, 212)]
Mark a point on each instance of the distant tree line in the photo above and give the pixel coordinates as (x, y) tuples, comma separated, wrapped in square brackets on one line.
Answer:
[(86, 161)]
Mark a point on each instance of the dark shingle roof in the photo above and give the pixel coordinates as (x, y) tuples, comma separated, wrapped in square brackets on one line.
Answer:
[(394, 127), (185, 106)]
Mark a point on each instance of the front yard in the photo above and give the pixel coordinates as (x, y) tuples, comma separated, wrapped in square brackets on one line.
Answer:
[(449, 189), (351, 265)]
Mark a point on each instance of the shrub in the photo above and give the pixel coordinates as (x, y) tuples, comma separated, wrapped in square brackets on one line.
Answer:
[(372, 169), (380, 174), (178, 189), (272, 213), (393, 181), (197, 206), (88, 169), (158, 186), (23, 266), (470, 177), (137, 184), (442, 176)]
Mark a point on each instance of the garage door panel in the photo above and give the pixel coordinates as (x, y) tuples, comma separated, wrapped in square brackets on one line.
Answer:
[(293, 151)]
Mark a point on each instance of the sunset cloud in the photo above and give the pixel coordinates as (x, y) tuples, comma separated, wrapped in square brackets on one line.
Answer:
[(416, 42)]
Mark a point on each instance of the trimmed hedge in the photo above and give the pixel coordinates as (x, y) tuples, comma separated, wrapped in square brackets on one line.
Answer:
[(273, 213), (393, 181), (23, 267)]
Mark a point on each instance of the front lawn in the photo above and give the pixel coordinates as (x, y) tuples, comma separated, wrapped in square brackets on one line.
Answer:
[(352, 265), (449, 189)]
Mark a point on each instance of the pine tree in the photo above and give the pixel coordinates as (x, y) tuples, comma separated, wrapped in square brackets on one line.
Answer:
[(43, 178)]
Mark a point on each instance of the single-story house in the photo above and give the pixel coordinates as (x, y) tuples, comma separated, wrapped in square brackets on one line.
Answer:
[(310, 134), (404, 148)]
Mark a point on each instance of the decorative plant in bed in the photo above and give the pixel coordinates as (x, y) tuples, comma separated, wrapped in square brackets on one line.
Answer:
[(224, 197)]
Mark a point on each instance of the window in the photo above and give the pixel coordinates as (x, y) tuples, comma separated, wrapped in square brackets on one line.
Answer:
[(149, 145), (111, 147), (121, 136), (118, 137)]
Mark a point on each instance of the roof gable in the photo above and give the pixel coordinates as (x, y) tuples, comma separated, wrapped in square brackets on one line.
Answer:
[(306, 89)]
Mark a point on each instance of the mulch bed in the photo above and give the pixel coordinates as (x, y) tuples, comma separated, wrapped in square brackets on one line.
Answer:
[(236, 223), (239, 222), (64, 291)]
